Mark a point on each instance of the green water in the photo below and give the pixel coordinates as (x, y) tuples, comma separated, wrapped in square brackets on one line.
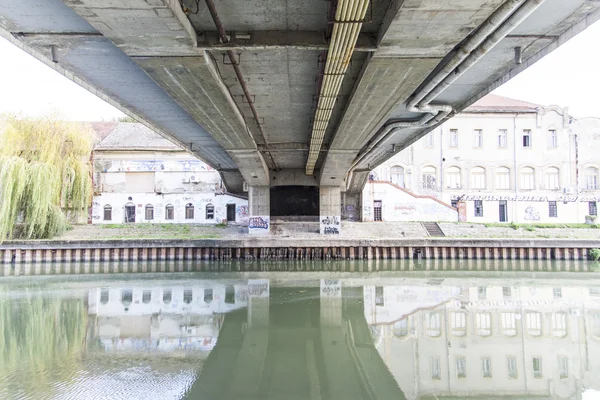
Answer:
[(297, 334)]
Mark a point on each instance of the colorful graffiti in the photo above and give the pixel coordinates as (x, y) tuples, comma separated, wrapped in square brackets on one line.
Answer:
[(258, 223), (158, 165), (242, 214)]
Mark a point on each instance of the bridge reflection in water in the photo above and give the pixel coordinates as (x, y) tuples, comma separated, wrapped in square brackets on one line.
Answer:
[(300, 336)]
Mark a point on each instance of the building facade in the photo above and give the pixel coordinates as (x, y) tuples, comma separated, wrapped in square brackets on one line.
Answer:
[(140, 177), (503, 160)]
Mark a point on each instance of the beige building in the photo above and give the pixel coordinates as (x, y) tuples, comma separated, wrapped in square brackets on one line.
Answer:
[(501, 160), (140, 177)]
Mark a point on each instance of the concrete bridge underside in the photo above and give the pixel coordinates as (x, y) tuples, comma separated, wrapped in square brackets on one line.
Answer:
[(304, 93)]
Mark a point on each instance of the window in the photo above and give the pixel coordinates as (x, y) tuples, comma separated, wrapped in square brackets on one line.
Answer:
[(534, 323), (146, 296), (397, 175), (557, 293), (486, 367), (377, 210), (502, 178), (454, 203), (453, 137), (379, 298), (591, 178), (552, 178), (481, 293), (169, 212), (537, 367), (478, 178), (559, 324), (552, 139), (126, 296), (208, 295), (509, 323), (104, 296), (552, 209), (527, 178), (189, 211), (595, 317), (429, 174), (511, 364), (149, 212), (107, 213), (167, 296), (502, 138), (401, 328), (188, 296), (478, 138), (526, 137), (593, 209), (507, 292), (432, 324), (453, 178), (428, 140), (435, 368), (461, 367), (458, 323), (478, 208), (210, 211), (484, 324), (563, 367)]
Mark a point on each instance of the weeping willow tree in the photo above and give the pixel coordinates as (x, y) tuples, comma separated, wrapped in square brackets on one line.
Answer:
[(45, 178)]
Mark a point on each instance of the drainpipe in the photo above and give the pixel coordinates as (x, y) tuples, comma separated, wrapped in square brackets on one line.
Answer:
[(492, 31), (224, 39)]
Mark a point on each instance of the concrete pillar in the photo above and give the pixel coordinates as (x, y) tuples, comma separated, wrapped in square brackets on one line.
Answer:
[(351, 207), (259, 207), (330, 210)]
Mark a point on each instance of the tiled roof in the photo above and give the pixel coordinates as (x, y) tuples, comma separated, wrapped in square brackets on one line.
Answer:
[(495, 103), (102, 129), (134, 136)]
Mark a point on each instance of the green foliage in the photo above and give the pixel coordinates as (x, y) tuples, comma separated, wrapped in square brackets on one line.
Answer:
[(541, 225), (44, 176), (594, 254)]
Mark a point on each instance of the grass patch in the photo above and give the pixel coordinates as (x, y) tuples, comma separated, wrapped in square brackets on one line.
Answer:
[(541, 225)]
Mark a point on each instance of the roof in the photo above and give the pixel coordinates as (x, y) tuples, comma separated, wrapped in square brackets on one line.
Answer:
[(102, 129), (136, 137), (495, 103)]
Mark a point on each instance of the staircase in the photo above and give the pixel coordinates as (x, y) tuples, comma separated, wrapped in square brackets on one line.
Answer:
[(433, 229)]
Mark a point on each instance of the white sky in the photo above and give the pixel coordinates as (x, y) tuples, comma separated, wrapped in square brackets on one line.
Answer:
[(566, 77)]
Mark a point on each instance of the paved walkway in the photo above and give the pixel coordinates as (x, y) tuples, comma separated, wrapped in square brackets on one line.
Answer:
[(350, 230)]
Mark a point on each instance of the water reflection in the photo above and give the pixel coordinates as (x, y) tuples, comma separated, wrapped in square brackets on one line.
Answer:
[(376, 337)]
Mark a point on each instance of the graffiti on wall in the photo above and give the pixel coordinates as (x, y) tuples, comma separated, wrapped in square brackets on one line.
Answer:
[(531, 214), (157, 165), (241, 214), (330, 225), (258, 224), (564, 199), (404, 208)]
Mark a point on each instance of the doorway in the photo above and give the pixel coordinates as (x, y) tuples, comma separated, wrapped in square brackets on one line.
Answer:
[(129, 213), (377, 210), (230, 212), (503, 211)]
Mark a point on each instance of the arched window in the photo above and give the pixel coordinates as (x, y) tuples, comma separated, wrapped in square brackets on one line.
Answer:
[(104, 296), (149, 212), (397, 175), (453, 180), (126, 297), (401, 328), (534, 323), (146, 296), (188, 296), (458, 323), (167, 296), (478, 178), (552, 178), (107, 213), (169, 212), (189, 211), (527, 178), (433, 323), (503, 178), (429, 177), (591, 178), (210, 211)]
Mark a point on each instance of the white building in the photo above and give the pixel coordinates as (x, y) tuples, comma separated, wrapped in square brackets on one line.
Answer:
[(500, 160), (140, 177)]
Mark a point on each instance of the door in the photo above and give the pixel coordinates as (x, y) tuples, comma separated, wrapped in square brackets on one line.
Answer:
[(502, 210), (377, 210), (129, 213), (230, 212)]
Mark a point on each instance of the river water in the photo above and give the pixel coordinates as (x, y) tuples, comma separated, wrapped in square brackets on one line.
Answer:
[(284, 334)]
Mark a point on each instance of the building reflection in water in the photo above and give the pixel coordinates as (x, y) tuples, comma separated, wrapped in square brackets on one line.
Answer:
[(436, 340)]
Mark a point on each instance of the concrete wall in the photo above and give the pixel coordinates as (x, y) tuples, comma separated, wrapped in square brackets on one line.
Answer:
[(401, 205), (578, 144)]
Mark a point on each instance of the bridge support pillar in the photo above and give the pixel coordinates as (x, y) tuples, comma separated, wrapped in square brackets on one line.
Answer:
[(330, 210), (259, 207)]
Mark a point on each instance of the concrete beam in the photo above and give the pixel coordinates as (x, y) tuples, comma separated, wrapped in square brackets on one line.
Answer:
[(330, 204), (262, 40)]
